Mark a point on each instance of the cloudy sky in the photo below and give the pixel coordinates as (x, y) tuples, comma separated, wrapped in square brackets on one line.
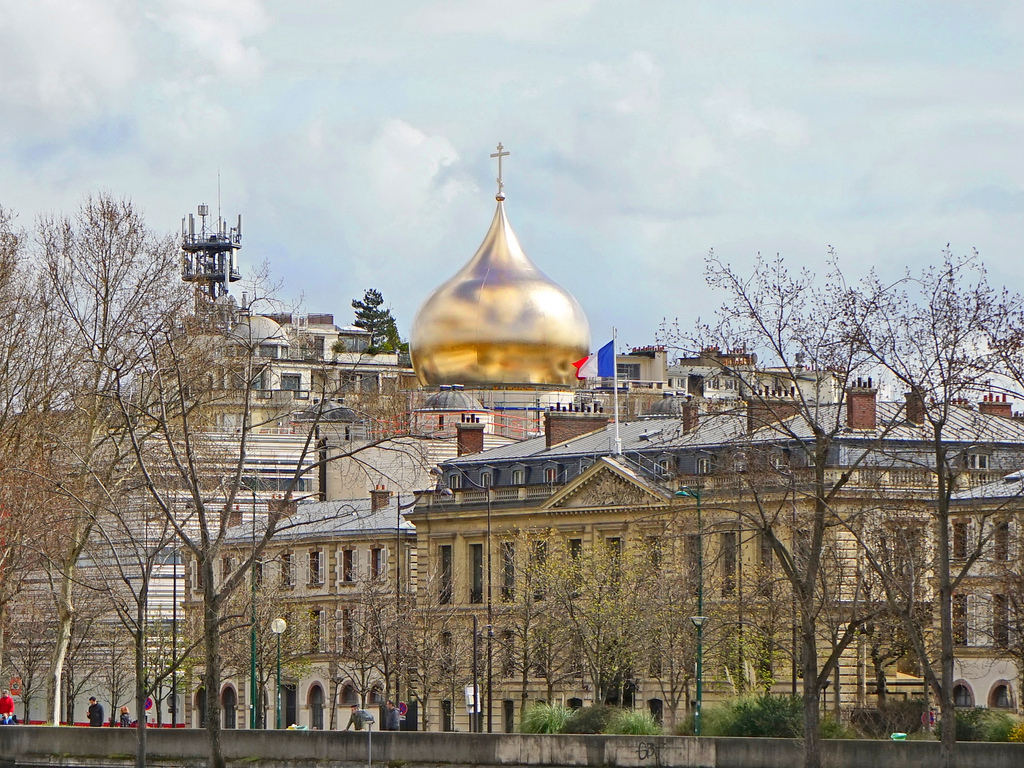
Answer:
[(354, 136)]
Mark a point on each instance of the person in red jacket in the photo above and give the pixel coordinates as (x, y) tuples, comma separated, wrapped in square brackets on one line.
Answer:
[(6, 708)]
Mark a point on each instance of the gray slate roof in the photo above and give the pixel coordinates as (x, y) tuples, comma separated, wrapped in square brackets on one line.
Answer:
[(349, 517)]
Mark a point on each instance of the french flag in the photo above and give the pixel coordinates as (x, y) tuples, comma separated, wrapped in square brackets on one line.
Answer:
[(597, 366)]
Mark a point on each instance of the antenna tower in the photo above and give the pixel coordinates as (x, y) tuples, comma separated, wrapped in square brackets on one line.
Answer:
[(208, 256)]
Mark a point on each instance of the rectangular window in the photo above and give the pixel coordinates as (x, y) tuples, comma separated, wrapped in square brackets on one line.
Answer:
[(654, 553), (291, 382), (508, 653), (538, 557), (729, 562), (377, 563), (550, 475), (959, 540), (476, 569), (287, 570), (576, 549), (486, 479), (348, 565), (703, 465), (1001, 542), (347, 630), (693, 564), (508, 571), (226, 566), (257, 574), (444, 559), (1000, 621), (454, 482), (517, 477), (316, 575), (316, 624), (767, 553), (960, 619)]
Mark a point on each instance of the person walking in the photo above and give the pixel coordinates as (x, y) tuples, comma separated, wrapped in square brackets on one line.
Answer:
[(95, 713), (6, 708), (125, 721), (391, 717)]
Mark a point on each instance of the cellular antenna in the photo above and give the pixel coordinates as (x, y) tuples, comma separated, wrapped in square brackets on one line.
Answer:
[(208, 256)]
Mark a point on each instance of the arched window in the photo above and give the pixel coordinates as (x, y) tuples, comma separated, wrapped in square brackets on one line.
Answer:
[(962, 696), (349, 695), (201, 707), (316, 708), (575, 703), (376, 697), (229, 701), (1000, 697)]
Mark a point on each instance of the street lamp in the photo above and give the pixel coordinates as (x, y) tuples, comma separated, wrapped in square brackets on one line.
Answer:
[(278, 626), (700, 618)]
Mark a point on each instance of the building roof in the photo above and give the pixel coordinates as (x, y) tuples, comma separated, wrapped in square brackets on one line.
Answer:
[(1009, 487), (965, 425), (349, 517)]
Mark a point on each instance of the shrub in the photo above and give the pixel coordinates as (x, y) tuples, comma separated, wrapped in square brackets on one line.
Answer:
[(894, 716), (980, 724), (589, 719), (1017, 732), (836, 729), (634, 722), (778, 716), (545, 718)]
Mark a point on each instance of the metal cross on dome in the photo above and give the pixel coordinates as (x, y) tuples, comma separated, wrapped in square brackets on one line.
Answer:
[(500, 154)]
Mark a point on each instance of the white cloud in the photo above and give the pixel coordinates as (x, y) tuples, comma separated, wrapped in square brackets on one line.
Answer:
[(736, 112), (521, 20), (214, 34)]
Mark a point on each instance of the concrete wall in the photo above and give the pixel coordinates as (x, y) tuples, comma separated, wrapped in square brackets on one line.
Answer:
[(43, 746)]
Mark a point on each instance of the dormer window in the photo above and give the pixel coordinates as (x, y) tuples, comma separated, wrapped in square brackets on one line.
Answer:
[(976, 461), (486, 479), (454, 481)]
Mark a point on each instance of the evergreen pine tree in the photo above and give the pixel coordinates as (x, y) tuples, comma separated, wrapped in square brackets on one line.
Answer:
[(373, 316)]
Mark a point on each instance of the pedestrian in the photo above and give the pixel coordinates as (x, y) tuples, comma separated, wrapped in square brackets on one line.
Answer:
[(95, 713), (355, 719), (7, 709), (125, 721), (391, 718)]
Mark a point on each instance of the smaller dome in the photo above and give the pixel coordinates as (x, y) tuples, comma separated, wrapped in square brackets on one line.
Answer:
[(451, 398), (254, 330), (669, 405)]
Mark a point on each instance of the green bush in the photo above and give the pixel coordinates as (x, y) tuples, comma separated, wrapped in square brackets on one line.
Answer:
[(980, 724), (634, 722), (545, 718), (777, 716), (836, 729), (894, 716), (590, 719)]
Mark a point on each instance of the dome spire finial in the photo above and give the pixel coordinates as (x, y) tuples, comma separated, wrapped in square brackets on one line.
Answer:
[(501, 184)]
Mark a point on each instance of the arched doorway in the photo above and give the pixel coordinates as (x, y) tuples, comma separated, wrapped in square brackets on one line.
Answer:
[(657, 709), (229, 703), (316, 708), (200, 708)]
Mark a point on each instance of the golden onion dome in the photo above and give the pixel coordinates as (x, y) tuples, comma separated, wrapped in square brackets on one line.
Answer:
[(499, 320)]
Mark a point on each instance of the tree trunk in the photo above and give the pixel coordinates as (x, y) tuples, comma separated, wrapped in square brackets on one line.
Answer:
[(62, 639), (946, 707), (812, 692), (211, 674), (140, 688)]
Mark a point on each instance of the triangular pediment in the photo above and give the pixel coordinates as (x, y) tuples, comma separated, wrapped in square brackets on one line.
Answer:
[(606, 483)]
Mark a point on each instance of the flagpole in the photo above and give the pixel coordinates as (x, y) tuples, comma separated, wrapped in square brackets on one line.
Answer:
[(617, 448)]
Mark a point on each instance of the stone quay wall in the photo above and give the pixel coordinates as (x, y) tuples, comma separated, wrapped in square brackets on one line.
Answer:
[(44, 747)]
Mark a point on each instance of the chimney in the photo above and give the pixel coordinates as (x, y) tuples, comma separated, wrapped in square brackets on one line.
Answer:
[(915, 407), (560, 426), (992, 405), (689, 413), (470, 437), (380, 497), (860, 405), (763, 411)]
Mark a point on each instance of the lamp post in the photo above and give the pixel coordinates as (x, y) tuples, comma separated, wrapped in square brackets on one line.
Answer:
[(700, 619), (278, 626), (252, 632)]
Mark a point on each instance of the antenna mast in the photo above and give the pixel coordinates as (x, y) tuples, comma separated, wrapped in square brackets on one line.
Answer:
[(208, 256)]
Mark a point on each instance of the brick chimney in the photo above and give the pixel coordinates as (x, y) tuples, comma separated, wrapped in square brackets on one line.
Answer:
[(771, 407), (915, 407), (470, 437), (861, 412), (380, 497), (689, 414), (992, 405), (560, 426)]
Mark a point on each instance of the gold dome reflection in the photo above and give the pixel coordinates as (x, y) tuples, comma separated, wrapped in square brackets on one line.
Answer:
[(499, 320)]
